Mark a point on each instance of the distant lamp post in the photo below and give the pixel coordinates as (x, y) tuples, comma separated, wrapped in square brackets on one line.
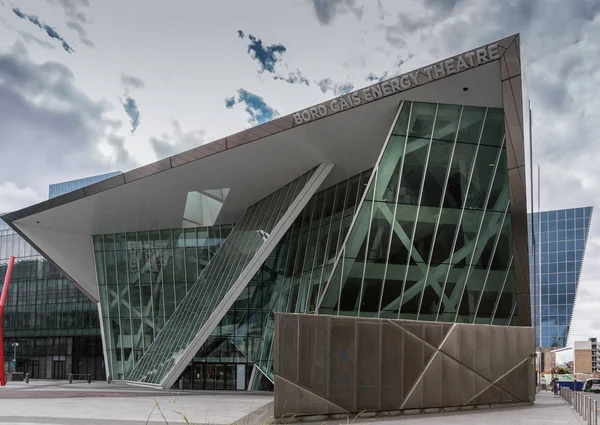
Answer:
[(15, 345)]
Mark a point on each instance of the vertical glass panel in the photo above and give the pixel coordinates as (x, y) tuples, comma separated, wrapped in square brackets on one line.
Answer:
[(493, 130), (470, 124), (435, 175), (401, 126), (421, 120), (483, 173), (446, 122), (412, 171), (458, 179)]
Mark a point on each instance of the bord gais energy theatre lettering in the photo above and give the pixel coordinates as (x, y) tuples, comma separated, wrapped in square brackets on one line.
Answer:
[(401, 83)]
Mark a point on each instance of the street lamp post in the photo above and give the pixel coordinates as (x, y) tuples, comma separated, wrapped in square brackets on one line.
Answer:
[(15, 345)]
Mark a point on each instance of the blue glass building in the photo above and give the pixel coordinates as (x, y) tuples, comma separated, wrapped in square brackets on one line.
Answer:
[(58, 189), (561, 238)]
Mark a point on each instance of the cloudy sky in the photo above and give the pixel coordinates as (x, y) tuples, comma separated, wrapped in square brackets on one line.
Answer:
[(90, 87)]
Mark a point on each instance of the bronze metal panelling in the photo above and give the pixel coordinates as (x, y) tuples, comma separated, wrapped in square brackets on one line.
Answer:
[(432, 333), (314, 340), (505, 42), (412, 361), (513, 62), (286, 398), (147, 170), (414, 327), (284, 123), (67, 197), (513, 127), (513, 382), (450, 343), (391, 366), (516, 86), (450, 373), (342, 362), (503, 69), (414, 399), (367, 365), (287, 347), (501, 349), (432, 390), (466, 346), (381, 364), (482, 363), (104, 185)]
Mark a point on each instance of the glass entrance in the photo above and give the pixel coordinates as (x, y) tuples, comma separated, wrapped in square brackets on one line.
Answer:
[(215, 376), (58, 369)]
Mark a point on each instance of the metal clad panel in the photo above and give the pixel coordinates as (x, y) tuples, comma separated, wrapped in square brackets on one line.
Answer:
[(432, 388), (466, 345), (433, 333), (367, 365), (392, 393), (414, 400), (412, 361), (342, 362), (313, 361), (450, 343), (450, 374), (513, 62), (483, 355), (288, 347), (286, 398)]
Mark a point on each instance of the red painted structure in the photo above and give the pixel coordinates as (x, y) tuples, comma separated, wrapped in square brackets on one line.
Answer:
[(3, 297)]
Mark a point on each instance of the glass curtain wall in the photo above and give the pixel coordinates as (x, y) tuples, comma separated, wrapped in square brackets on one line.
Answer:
[(55, 326), (432, 240), (142, 278), (238, 251), (561, 241)]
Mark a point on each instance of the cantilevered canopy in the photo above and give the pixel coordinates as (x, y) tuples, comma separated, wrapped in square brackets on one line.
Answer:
[(347, 131)]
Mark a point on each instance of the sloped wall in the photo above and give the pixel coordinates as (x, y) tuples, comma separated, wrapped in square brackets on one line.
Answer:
[(332, 365)]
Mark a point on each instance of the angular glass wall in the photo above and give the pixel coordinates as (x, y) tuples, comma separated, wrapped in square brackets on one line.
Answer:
[(432, 239), (142, 278), (561, 238), (262, 224), (304, 261)]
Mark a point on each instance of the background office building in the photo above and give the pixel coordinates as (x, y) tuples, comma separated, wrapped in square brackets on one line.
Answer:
[(50, 325), (561, 238), (402, 200), (586, 356)]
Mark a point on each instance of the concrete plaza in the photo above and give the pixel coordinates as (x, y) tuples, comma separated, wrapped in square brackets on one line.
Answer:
[(58, 402)]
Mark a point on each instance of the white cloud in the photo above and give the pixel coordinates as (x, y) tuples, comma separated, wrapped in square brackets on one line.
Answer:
[(13, 197)]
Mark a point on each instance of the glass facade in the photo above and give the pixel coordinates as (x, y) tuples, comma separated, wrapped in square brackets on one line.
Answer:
[(58, 189), (55, 326), (432, 239), (244, 336), (561, 238), (143, 277), (424, 235)]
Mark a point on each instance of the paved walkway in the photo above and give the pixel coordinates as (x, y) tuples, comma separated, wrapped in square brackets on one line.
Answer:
[(53, 403), (547, 410)]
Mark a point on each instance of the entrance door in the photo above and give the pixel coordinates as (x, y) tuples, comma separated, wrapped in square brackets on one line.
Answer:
[(209, 376), (58, 369), (198, 377), (33, 368), (220, 376), (230, 375)]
